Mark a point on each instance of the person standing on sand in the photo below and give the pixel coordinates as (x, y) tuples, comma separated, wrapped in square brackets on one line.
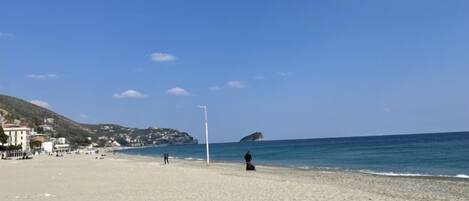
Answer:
[(248, 159), (166, 158)]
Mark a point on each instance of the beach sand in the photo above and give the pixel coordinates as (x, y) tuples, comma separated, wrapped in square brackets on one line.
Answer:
[(116, 178)]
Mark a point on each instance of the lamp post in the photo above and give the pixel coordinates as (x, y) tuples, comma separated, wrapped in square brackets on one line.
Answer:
[(204, 107)]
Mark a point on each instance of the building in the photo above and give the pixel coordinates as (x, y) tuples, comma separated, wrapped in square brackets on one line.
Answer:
[(61, 140), (55, 145), (35, 136), (49, 121), (47, 147), (18, 136), (46, 127), (39, 137), (61, 148)]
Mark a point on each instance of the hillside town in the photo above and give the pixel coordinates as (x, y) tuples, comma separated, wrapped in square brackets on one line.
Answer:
[(30, 129), (22, 141)]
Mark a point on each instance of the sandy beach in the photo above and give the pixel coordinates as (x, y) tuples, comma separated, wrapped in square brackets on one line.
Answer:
[(120, 177)]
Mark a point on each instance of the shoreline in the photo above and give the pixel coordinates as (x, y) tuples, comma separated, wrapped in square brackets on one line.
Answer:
[(401, 185), (461, 177)]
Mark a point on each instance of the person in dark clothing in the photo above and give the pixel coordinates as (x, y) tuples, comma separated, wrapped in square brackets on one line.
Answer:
[(248, 159), (166, 158)]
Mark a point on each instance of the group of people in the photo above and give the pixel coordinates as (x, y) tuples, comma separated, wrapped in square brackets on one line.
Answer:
[(247, 158)]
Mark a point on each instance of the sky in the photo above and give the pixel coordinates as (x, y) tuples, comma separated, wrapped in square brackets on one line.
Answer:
[(290, 69)]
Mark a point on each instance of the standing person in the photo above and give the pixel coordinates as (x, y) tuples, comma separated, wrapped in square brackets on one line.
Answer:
[(248, 159), (166, 158)]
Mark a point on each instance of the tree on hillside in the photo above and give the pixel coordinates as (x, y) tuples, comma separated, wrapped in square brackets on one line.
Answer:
[(35, 144), (3, 137)]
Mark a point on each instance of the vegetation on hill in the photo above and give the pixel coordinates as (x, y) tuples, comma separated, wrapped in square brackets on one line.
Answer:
[(3, 137), (33, 116), (14, 109), (139, 137)]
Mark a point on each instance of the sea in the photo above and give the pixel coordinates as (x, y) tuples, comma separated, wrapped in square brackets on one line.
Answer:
[(413, 155)]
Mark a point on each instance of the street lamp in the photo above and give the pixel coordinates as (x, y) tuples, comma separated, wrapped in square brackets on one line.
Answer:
[(204, 107)]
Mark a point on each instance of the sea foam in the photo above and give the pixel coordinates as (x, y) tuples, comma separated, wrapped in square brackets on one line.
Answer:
[(393, 174), (462, 176)]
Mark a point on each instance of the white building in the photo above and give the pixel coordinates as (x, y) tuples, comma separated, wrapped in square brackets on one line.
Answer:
[(46, 127), (18, 136), (61, 140), (48, 120), (61, 148), (48, 147)]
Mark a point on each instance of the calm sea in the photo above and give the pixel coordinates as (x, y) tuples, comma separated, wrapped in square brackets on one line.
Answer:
[(441, 154)]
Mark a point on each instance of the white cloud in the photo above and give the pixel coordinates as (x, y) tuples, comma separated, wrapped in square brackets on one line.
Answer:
[(129, 94), (236, 84), (214, 88), (284, 74), (259, 77), (41, 104), (83, 116), (162, 57), (41, 76), (5, 35), (178, 91)]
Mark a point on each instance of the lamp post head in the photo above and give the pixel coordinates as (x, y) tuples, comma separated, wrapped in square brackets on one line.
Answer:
[(202, 106)]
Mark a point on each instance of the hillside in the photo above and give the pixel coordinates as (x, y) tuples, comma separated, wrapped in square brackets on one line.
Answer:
[(140, 137), (12, 109), (43, 120)]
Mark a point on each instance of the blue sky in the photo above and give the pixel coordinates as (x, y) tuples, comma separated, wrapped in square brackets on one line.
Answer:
[(291, 69)]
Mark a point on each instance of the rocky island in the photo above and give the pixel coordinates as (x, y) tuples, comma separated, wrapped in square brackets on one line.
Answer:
[(257, 136)]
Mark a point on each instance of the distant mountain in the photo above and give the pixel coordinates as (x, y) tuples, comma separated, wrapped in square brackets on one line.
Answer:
[(17, 110), (257, 136), (139, 137)]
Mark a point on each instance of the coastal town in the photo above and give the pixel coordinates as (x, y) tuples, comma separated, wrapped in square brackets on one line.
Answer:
[(29, 130), (22, 141)]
